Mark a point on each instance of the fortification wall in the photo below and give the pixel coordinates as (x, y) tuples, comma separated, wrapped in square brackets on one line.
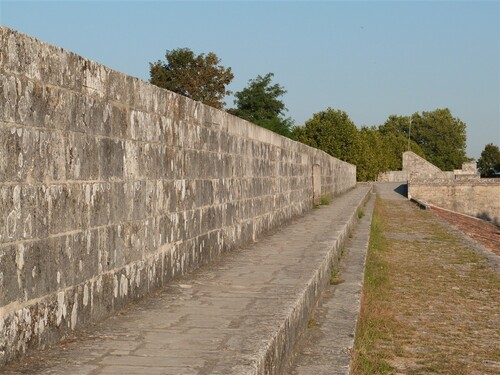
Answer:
[(110, 187), (477, 197), (418, 168), (393, 176)]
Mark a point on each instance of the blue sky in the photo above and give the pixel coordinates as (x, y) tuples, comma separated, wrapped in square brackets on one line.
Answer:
[(370, 59)]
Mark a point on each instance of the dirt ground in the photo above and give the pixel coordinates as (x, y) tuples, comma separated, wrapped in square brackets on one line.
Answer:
[(437, 308), (486, 233)]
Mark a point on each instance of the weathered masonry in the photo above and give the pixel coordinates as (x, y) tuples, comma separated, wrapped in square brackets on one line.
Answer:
[(460, 190), (110, 187)]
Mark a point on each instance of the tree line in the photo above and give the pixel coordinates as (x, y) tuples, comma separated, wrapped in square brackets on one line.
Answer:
[(436, 135)]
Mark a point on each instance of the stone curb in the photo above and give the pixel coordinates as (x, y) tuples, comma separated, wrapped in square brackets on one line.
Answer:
[(329, 345), (299, 315)]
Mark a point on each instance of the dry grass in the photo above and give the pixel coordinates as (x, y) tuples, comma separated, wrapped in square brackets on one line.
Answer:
[(430, 304)]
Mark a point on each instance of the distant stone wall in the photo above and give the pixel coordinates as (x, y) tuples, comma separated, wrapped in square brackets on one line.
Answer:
[(393, 176), (419, 168), (479, 198), (110, 187), (461, 190)]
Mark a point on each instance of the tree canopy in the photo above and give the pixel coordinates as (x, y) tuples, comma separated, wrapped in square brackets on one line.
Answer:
[(198, 77), (489, 162), (260, 103), (371, 149), (440, 136), (333, 132)]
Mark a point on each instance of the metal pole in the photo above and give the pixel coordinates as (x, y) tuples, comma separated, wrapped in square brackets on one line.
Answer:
[(409, 134)]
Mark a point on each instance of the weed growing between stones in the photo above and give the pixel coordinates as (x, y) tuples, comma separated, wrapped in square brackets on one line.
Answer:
[(325, 200), (335, 279)]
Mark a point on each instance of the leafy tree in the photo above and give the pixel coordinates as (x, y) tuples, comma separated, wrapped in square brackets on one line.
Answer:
[(372, 150), (381, 152), (371, 160), (198, 77), (333, 132), (489, 162), (259, 103), (394, 145), (440, 136)]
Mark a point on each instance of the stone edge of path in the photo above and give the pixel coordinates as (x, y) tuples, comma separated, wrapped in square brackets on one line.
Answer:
[(274, 357), (340, 307)]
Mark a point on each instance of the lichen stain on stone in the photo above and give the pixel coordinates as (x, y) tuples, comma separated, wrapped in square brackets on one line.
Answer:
[(85, 299), (74, 312), (28, 227), (115, 286), (123, 286), (61, 308), (12, 223), (20, 264), (138, 278)]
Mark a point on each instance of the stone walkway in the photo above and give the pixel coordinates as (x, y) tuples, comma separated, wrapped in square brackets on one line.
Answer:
[(326, 347), (238, 316)]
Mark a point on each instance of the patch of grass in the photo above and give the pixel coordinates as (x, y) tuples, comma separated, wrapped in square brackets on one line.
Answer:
[(311, 323), (374, 321), (335, 279), (361, 213), (429, 304), (325, 200)]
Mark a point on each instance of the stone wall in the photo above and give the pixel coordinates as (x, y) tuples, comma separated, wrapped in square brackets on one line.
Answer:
[(415, 167), (110, 187), (477, 198), (393, 176), (419, 168)]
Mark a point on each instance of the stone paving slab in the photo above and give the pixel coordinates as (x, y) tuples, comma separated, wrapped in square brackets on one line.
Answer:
[(241, 315), (326, 347)]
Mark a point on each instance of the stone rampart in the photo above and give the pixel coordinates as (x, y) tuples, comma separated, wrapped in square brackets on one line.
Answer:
[(478, 197), (393, 176), (110, 187), (419, 168)]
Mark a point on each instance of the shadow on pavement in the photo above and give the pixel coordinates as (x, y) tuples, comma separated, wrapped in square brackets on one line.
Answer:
[(402, 189)]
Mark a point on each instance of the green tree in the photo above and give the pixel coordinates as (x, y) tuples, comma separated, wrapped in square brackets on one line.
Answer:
[(333, 132), (394, 146), (379, 152), (198, 77), (489, 162), (371, 160), (260, 103), (439, 135)]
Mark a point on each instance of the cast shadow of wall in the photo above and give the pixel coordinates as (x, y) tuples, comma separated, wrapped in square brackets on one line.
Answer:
[(402, 189)]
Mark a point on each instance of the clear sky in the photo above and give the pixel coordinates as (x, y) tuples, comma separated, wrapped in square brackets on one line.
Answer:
[(370, 59)]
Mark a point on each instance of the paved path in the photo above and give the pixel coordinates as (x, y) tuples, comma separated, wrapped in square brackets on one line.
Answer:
[(235, 317), (326, 347)]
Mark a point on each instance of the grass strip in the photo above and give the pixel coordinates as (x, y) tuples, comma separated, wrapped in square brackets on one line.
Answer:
[(375, 322), (430, 303)]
